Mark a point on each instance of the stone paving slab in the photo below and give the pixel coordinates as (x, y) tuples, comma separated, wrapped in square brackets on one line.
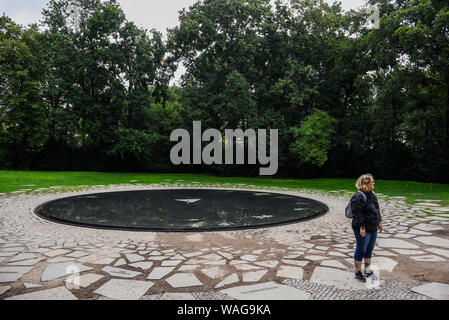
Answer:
[(405, 236), (30, 262), (441, 252), (434, 241), (427, 204), (435, 290), (233, 278), (60, 259), (4, 289), (170, 263), (334, 264), (408, 252), (120, 289), (160, 272), (267, 264), (336, 254), (215, 263), (39, 250), (188, 268), (428, 227), (266, 291), (384, 263), (336, 278), (215, 272), (77, 254), (290, 272), (13, 249), (253, 276), (144, 265), (395, 243), (383, 253), (60, 293), (416, 232), (249, 257), (8, 253), (54, 271), (85, 280), (120, 262), (23, 256), (12, 269), (10, 277), (428, 258), (182, 280), (246, 267), (119, 272), (31, 285), (132, 257), (295, 262), (54, 253)]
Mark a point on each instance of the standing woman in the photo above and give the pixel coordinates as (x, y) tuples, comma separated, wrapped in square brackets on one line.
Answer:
[(365, 223)]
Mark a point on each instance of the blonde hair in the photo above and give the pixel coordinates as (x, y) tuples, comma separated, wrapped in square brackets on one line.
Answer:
[(363, 180)]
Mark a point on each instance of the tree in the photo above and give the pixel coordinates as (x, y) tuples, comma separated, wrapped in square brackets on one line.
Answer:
[(289, 55), (100, 74), (412, 80), (312, 138), (216, 40), (141, 62), (23, 122), (236, 107)]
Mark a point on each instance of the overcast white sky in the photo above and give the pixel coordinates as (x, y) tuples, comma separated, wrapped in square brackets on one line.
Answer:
[(144, 13)]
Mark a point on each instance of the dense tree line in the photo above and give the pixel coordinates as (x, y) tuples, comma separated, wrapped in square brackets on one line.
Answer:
[(346, 97)]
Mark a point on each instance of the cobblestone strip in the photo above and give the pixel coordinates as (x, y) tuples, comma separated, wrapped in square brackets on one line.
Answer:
[(394, 291), (211, 296)]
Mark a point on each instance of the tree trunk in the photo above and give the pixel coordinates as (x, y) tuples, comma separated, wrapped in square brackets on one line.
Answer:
[(130, 117), (447, 120)]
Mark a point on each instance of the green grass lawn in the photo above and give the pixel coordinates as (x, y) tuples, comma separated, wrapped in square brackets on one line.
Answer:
[(17, 180)]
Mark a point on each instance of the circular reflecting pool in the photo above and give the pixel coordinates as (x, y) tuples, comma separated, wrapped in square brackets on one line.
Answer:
[(181, 210)]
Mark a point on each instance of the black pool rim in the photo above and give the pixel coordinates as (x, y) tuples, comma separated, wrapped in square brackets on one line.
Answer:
[(180, 230)]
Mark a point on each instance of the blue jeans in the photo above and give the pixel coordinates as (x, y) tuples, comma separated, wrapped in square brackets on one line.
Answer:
[(364, 245)]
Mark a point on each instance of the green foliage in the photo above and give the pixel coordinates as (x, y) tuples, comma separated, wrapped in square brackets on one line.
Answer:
[(417, 30), (236, 107), (138, 144), (313, 138), (102, 73), (337, 90), (22, 115)]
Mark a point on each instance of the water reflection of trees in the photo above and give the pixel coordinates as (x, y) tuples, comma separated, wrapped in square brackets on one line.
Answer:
[(158, 209)]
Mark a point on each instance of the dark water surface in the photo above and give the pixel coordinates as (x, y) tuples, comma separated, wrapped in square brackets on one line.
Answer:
[(181, 210)]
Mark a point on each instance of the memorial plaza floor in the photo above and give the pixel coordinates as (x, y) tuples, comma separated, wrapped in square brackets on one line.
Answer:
[(312, 259)]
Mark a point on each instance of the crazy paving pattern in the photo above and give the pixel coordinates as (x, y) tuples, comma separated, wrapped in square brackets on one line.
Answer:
[(307, 260)]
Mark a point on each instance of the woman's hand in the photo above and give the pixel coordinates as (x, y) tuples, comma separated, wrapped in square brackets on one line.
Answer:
[(380, 226), (363, 232)]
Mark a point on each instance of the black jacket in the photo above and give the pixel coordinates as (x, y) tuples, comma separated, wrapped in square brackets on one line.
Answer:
[(366, 213)]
